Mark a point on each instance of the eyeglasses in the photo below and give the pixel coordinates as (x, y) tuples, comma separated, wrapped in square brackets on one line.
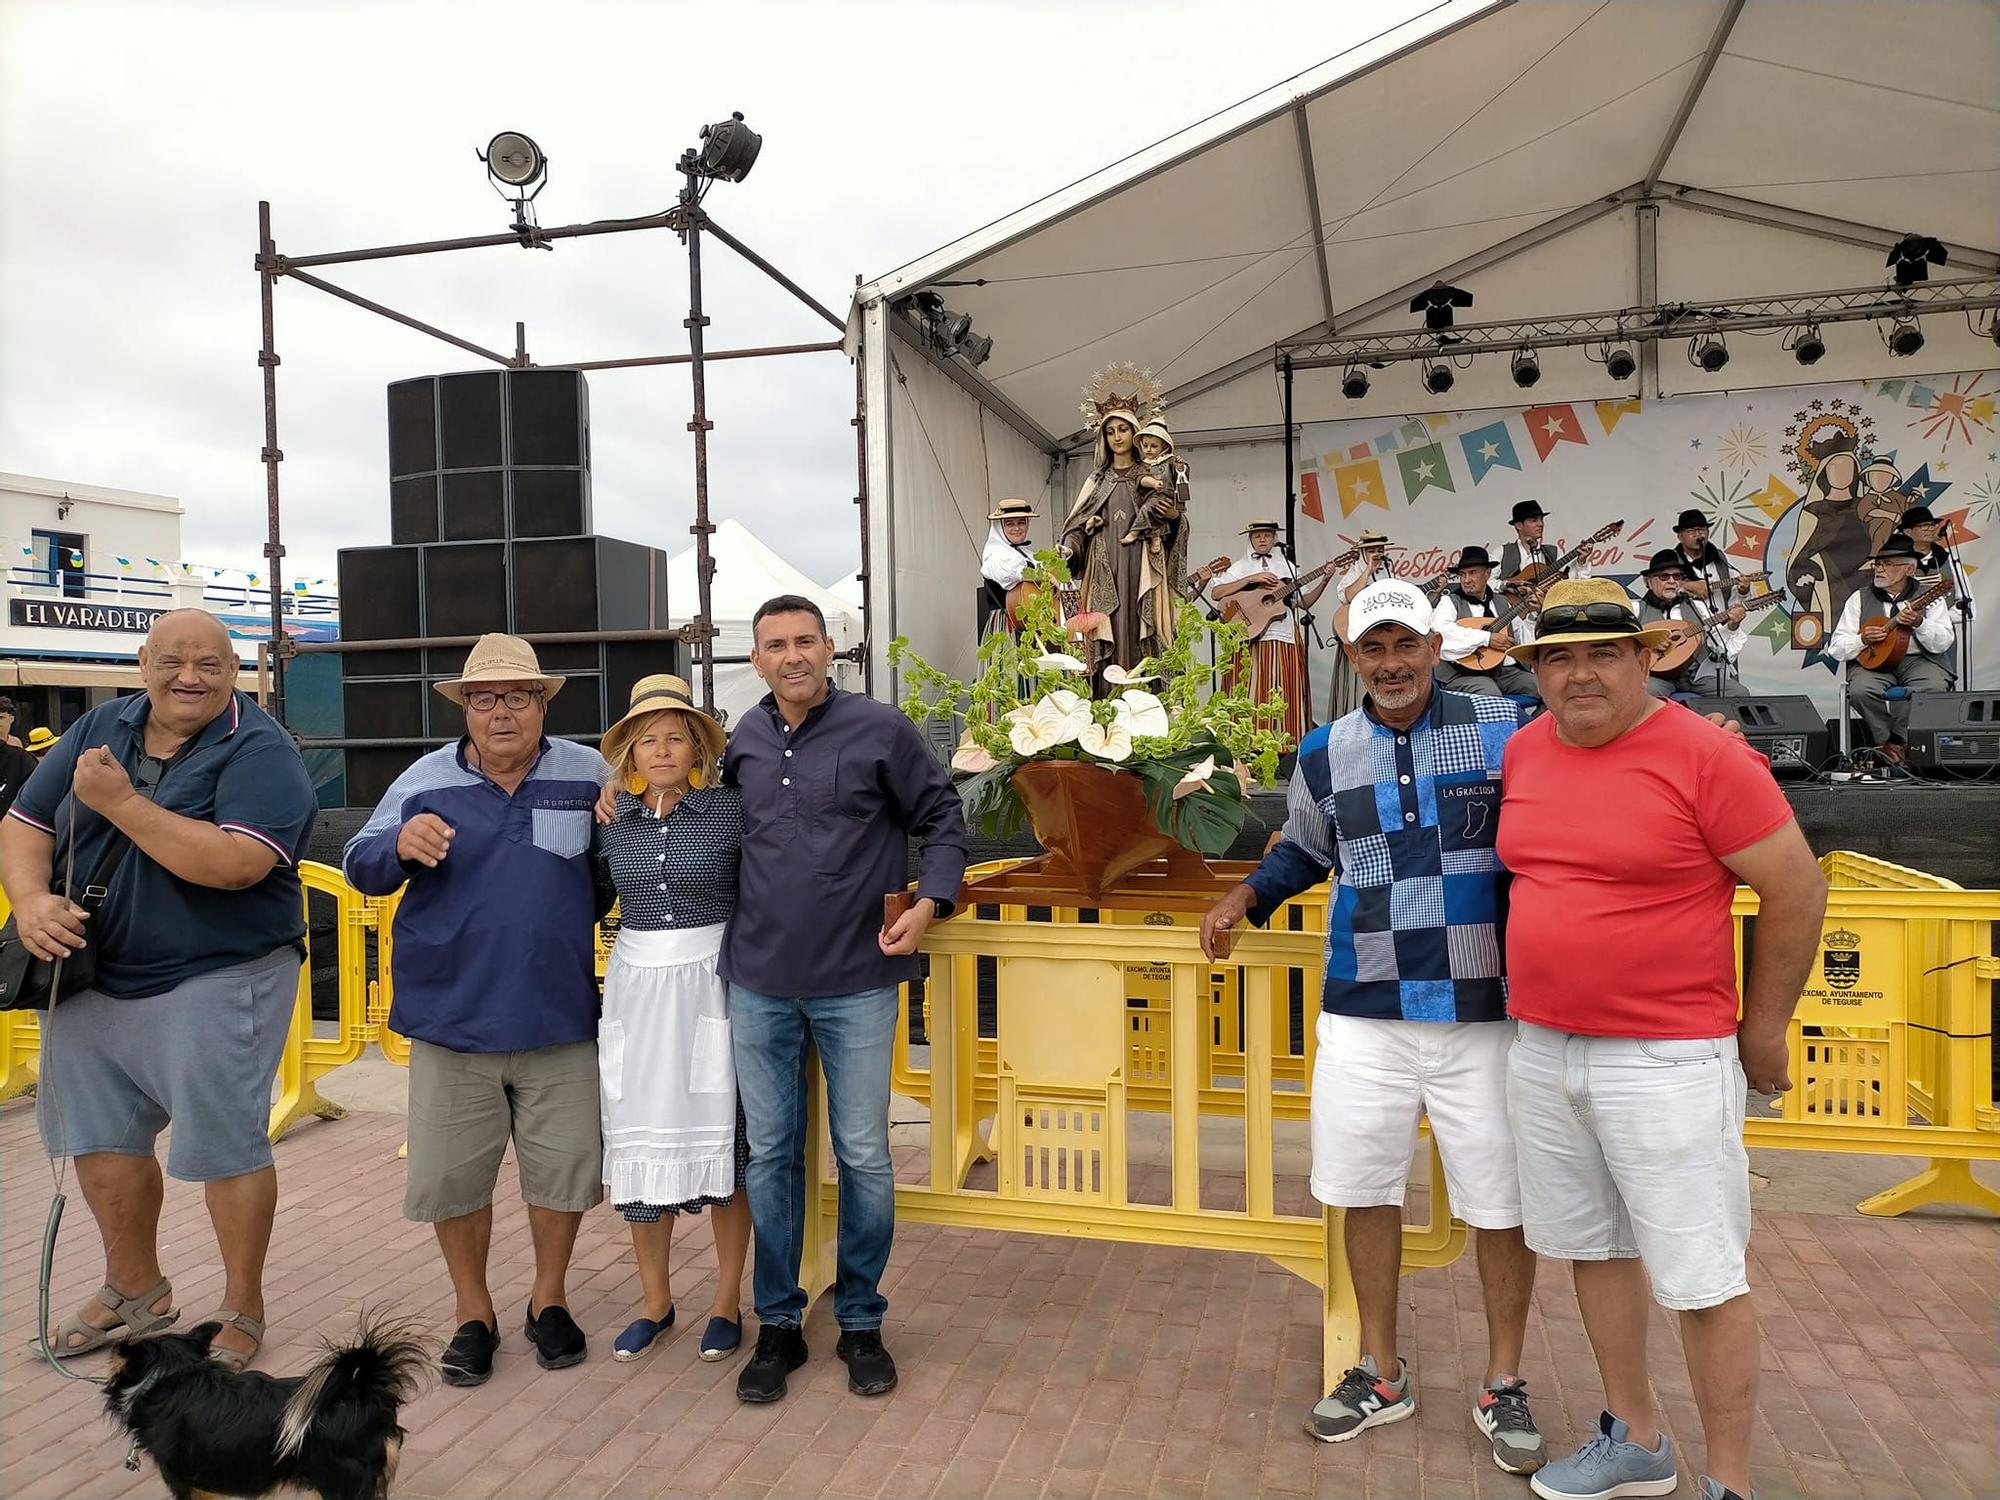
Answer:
[(1576, 616), (518, 699)]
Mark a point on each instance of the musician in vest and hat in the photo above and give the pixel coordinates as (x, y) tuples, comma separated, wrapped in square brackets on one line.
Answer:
[(1664, 599), (1470, 597), (1528, 550), (1277, 654), (1924, 530), (1926, 666), (1705, 572), (1005, 558)]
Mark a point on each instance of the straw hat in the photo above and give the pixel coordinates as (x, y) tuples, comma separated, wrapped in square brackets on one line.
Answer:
[(661, 693), (1013, 510), (499, 658), (40, 738), (1602, 597), (1260, 526)]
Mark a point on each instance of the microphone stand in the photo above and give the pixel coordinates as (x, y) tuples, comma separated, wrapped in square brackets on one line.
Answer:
[(1964, 606)]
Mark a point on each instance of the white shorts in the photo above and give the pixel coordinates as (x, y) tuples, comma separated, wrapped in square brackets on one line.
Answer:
[(1372, 1081), (1635, 1148)]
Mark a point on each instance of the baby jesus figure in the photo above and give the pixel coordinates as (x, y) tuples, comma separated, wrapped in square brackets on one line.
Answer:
[(1164, 477)]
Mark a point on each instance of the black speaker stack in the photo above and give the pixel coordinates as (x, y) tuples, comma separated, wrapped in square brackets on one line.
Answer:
[(1954, 731), (489, 526), (1787, 729)]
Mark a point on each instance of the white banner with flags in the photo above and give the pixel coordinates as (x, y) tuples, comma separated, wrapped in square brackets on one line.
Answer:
[(1801, 482)]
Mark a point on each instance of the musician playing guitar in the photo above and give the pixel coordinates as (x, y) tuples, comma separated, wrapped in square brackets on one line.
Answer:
[(1006, 556), (1528, 551), (1705, 573), (1277, 654), (1907, 630), (1706, 672), (1465, 650)]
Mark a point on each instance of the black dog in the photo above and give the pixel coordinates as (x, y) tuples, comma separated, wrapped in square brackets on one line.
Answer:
[(331, 1432)]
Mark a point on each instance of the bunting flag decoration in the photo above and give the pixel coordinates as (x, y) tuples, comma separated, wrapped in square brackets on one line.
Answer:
[(1892, 387), (1360, 484), (1774, 498), (1920, 395), (1776, 629), (1309, 500), (1922, 489), (1749, 542), (1387, 442), (1608, 412), (75, 558), (1358, 452), (1424, 468), (123, 562), (253, 579), (1415, 434), (1549, 425), (1489, 448)]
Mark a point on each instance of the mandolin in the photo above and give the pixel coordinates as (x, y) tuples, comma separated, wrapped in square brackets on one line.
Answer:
[(1258, 604), (1489, 656), (1686, 636), (1891, 649)]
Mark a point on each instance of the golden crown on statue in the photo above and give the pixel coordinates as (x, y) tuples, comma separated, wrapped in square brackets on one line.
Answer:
[(1122, 390)]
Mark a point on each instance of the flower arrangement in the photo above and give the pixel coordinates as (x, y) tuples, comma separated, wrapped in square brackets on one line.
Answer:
[(1194, 746)]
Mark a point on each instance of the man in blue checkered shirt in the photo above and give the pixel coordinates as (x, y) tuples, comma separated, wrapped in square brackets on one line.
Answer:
[(1399, 802)]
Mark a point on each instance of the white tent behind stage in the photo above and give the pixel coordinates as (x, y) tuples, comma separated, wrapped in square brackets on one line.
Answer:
[(1556, 158), (746, 574)]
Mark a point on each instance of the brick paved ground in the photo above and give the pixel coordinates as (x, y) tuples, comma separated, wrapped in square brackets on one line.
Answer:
[(1031, 1366)]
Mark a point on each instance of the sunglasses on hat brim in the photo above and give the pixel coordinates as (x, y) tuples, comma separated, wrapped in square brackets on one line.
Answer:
[(1603, 615)]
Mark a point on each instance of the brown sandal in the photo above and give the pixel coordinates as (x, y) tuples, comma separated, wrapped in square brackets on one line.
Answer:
[(135, 1317), (243, 1323)]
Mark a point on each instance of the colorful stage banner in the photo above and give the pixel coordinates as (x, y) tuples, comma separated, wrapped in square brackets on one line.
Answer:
[(1801, 483)]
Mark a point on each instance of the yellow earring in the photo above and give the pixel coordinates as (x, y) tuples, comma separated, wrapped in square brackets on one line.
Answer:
[(697, 778), (635, 784)]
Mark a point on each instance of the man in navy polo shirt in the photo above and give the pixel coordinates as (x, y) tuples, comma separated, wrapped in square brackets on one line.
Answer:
[(496, 987), (197, 945)]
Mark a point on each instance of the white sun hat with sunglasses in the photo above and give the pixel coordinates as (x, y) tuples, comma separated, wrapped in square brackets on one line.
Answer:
[(496, 660)]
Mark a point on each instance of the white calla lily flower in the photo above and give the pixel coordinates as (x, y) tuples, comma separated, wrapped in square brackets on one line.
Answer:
[(1106, 741), (1142, 713), (1117, 676), (1056, 661), (1073, 712), (972, 756), (1196, 780)]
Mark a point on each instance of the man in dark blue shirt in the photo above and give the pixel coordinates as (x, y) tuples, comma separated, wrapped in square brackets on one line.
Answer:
[(834, 787), (197, 945)]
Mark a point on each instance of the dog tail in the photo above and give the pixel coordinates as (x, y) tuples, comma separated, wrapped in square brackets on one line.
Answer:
[(384, 1366)]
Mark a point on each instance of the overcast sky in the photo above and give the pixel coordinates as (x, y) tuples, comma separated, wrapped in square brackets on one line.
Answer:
[(137, 138)]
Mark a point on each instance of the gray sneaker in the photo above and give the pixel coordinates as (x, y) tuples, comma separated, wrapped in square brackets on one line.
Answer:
[(1609, 1465), (1501, 1412), (1363, 1399), (1715, 1489)]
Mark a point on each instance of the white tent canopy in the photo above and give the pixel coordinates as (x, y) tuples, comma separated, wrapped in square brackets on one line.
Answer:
[(1554, 157), (747, 573)]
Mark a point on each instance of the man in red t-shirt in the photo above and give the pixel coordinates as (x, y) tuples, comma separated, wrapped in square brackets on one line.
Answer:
[(1627, 823)]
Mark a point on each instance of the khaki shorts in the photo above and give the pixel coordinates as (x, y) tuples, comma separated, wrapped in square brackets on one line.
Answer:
[(465, 1105)]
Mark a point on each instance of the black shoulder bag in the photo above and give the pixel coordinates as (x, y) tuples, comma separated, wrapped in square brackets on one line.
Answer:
[(31, 983)]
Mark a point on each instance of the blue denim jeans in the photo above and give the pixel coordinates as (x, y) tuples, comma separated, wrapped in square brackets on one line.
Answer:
[(853, 1034)]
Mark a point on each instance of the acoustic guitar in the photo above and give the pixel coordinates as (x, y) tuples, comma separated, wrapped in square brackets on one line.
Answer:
[(1538, 573), (1685, 638), (1894, 646), (1258, 604), (1196, 581), (1488, 657)]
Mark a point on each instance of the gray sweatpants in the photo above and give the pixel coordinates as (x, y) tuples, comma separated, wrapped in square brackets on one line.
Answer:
[(1887, 718)]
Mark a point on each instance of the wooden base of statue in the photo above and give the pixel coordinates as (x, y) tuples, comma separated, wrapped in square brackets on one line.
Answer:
[(1102, 844)]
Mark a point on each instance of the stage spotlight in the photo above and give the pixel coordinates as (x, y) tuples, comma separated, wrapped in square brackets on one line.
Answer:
[(1905, 337), (512, 160), (729, 149), (976, 348), (1437, 377), (1526, 367), (1913, 256), (1620, 364), (1809, 348), (951, 328), (1436, 303), (1708, 351), (1354, 383)]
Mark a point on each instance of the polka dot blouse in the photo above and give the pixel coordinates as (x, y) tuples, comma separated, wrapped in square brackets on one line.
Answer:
[(676, 871)]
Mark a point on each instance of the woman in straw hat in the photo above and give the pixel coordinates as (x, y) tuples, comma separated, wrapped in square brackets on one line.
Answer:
[(673, 1134)]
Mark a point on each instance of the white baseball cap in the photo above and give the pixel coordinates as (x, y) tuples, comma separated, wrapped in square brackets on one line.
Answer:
[(1388, 601)]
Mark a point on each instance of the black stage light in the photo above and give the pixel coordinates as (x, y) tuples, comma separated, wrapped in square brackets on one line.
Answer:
[(976, 348), (1437, 377), (1436, 303), (1913, 256), (1809, 348), (1354, 383), (1905, 337), (952, 327), (1620, 364), (512, 160), (729, 149), (1526, 367), (1708, 351)]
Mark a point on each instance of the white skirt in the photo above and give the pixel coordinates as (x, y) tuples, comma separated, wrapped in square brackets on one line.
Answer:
[(667, 1078)]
